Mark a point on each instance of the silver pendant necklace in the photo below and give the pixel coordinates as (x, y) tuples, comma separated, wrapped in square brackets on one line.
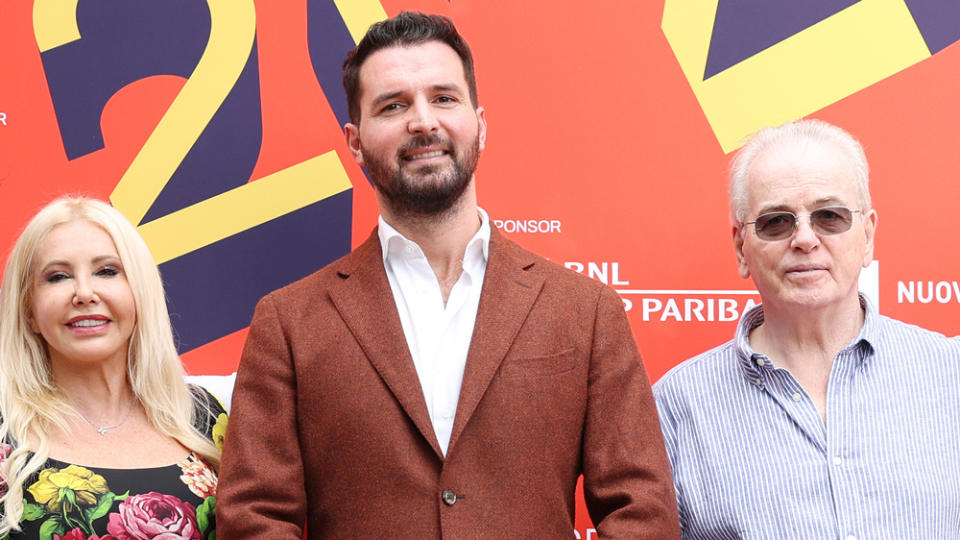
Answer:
[(102, 430)]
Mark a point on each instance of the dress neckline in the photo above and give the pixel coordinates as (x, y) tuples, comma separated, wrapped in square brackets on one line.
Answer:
[(94, 467)]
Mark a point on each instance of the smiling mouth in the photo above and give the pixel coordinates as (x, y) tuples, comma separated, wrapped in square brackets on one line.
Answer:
[(425, 155), (87, 323)]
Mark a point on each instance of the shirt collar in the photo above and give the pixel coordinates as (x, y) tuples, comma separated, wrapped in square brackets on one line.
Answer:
[(869, 335), (393, 244)]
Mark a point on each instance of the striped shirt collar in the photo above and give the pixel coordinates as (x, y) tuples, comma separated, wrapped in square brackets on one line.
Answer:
[(868, 336)]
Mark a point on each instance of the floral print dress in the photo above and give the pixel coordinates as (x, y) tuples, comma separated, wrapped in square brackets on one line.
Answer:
[(71, 502)]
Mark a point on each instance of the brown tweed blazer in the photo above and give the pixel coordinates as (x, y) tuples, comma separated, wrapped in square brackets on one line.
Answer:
[(329, 428)]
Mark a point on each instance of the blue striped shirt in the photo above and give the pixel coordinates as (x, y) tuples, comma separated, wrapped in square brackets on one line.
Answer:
[(752, 457)]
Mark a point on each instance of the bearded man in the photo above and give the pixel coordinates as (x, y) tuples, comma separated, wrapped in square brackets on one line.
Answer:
[(439, 381)]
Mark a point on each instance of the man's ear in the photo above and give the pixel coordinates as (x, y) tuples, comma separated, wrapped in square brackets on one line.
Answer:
[(738, 234), (481, 128), (870, 231), (351, 133)]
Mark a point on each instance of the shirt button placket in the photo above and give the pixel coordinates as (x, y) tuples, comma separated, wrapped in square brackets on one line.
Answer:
[(840, 453)]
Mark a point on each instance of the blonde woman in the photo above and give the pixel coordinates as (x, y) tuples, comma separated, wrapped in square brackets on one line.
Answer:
[(100, 436)]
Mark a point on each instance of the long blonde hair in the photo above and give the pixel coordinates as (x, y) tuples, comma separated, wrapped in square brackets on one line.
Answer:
[(30, 401)]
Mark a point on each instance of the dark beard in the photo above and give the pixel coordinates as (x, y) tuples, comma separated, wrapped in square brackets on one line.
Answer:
[(433, 191)]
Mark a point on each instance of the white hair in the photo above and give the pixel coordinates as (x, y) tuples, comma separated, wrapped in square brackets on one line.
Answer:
[(809, 130)]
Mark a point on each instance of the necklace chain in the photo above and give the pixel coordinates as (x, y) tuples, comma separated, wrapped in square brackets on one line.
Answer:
[(102, 430)]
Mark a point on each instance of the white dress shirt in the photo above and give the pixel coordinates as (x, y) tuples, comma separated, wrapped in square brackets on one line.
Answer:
[(438, 335)]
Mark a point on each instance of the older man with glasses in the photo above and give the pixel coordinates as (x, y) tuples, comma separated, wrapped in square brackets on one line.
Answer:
[(821, 418)]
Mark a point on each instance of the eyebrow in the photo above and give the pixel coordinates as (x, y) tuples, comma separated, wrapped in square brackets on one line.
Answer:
[(451, 87), (96, 260), (825, 201), (387, 96)]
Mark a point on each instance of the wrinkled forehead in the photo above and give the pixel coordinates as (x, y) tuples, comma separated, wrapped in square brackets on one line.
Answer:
[(801, 172), (409, 64)]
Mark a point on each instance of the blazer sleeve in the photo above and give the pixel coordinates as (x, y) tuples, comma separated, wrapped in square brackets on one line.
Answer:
[(261, 492), (627, 483)]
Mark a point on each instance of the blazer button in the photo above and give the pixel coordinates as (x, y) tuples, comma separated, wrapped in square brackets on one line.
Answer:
[(449, 497)]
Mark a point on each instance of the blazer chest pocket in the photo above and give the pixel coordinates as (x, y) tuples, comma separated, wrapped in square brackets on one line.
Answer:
[(538, 366)]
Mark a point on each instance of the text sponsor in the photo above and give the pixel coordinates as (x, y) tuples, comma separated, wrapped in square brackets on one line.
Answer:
[(591, 534), (3, 118), (528, 225), (663, 305), (926, 292)]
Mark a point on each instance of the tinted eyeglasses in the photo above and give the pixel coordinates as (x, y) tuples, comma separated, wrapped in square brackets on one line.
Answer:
[(774, 226)]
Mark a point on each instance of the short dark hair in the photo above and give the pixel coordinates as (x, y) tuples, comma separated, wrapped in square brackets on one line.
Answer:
[(407, 28)]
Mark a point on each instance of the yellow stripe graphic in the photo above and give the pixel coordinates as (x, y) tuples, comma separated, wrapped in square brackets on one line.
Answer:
[(232, 30), (806, 72), (358, 15), (55, 23), (245, 207)]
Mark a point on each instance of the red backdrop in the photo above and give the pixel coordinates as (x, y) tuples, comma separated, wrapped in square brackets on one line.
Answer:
[(607, 149)]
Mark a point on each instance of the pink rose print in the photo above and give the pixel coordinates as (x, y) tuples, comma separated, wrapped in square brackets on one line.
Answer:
[(154, 515), (78, 534), (5, 450)]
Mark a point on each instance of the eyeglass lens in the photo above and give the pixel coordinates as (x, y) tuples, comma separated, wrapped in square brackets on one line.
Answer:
[(780, 225)]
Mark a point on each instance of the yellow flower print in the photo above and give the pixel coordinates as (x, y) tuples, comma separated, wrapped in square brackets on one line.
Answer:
[(73, 485), (220, 431)]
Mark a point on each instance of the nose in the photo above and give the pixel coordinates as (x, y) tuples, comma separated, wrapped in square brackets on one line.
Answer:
[(804, 237), (84, 292), (422, 118)]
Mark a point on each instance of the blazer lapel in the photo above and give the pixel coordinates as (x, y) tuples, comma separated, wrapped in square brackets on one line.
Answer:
[(366, 304), (509, 291)]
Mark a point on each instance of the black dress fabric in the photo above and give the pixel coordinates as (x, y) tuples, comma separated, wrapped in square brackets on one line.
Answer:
[(65, 501)]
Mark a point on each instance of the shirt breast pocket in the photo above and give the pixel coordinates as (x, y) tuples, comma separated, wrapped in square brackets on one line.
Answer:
[(539, 366)]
